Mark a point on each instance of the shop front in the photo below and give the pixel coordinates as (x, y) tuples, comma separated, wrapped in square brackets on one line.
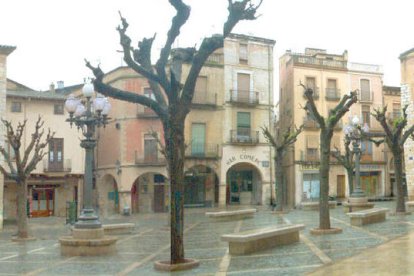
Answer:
[(243, 185)]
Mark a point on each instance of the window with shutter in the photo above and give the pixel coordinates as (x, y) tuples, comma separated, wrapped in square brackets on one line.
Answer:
[(243, 125), (365, 90)]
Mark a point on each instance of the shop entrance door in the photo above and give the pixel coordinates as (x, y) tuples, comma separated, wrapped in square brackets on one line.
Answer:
[(42, 202)]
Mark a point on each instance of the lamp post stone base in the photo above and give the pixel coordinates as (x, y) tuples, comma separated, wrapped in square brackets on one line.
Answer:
[(357, 204), (87, 242)]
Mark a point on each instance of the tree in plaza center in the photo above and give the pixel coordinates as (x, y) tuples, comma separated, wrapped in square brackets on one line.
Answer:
[(21, 163), (395, 137), (326, 126), (173, 94)]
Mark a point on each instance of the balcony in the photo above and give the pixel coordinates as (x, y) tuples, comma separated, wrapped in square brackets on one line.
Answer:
[(244, 136), (315, 94), (215, 59), (319, 62), (204, 99), (310, 156), (366, 96), (310, 123), (332, 94), (202, 151), (145, 112), (150, 160), (244, 97), (65, 166)]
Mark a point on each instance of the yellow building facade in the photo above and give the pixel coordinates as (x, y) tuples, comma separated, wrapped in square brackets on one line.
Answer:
[(331, 76)]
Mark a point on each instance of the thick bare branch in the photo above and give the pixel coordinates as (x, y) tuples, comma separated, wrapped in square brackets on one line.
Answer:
[(108, 90), (238, 11), (343, 107), (36, 136), (310, 106), (379, 115), (183, 12)]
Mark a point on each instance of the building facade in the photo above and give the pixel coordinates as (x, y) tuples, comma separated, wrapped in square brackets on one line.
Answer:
[(330, 76), (227, 159), (4, 52), (58, 178)]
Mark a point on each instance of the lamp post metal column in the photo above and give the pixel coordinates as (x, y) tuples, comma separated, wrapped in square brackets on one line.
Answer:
[(87, 120)]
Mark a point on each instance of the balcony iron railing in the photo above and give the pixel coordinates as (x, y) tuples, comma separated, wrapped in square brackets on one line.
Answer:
[(310, 157), (244, 97), (204, 98), (149, 160), (65, 166), (307, 60), (332, 94), (244, 136), (202, 150), (309, 123), (315, 94)]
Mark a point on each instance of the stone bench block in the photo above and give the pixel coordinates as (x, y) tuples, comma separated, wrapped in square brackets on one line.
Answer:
[(261, 239), (231, 215), (368, 216), (118, 228), (314, 205)]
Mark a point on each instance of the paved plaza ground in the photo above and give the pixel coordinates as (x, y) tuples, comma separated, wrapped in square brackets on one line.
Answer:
[(321, 255)]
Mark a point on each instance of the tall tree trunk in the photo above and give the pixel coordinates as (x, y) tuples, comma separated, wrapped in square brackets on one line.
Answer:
[(280, 195), (324, 219), (22, 223), (174, 146), (350, 173), (399, 181)]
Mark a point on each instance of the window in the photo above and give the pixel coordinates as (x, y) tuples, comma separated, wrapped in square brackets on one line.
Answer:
[(243, 125), (198, 139), (365, 90), (243, 54), (150, 148), (58, 109), (243, 93), (366, 115), (311, 83), (148, 93), (312, 152), (9, 150), (311, 187), (200, 91), (56, 154), (331, 90), (396, 110), (16, 107), (366, 150)]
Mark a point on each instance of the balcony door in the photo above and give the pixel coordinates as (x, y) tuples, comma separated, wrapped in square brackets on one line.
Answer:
[(198, 139), (243, 127), (243, 88), (150, 148), (56, 154)]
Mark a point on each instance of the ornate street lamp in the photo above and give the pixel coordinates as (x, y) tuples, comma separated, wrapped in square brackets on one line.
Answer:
[(95, 114), (354, 132)]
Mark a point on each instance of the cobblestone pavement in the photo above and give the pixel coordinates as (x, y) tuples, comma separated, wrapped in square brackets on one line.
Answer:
[(150, 242)]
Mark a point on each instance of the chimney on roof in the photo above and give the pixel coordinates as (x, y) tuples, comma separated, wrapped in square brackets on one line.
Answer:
[(52, 87), (60, 84)]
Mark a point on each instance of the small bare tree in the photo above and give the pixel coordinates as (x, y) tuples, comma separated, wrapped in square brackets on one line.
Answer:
[(395, 137), (326, 126), (23, 163), (281, 144), (347, 161)]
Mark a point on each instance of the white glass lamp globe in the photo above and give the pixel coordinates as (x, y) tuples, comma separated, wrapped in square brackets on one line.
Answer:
[(80, 110), (355, 120), (107, 107), (71, 103), (88, 90), (99, 103), (365, 128)]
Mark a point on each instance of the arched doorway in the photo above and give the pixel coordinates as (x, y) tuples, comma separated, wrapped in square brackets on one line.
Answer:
[(149, 193), (244, 185), (200, 187), (110, 195)]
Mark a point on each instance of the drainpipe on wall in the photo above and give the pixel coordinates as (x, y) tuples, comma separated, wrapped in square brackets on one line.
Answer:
[(270, 77)]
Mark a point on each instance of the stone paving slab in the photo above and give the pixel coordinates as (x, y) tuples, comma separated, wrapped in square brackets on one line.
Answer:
[(150, 241)]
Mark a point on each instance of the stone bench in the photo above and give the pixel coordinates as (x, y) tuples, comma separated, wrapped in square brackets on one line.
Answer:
[(118, 228), (260, 239), (409, 206), (368, 216), (314, 205), (231, 215)]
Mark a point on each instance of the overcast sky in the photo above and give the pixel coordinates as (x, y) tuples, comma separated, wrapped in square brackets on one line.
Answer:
[(53, 37)]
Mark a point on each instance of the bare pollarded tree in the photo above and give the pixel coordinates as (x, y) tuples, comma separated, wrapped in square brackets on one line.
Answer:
[(281, 144), (395, 137), (173, 93), (326, 126), (21, 162)]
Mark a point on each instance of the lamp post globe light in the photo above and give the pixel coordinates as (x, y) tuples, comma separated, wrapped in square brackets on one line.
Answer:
[(87, 118), (353, 132)]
